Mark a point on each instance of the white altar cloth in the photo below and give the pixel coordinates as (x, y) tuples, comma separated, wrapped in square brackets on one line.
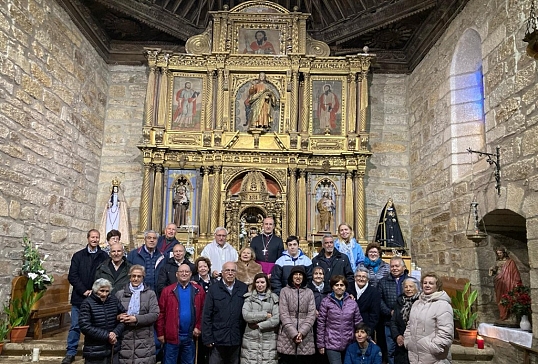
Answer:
[(507, 334)]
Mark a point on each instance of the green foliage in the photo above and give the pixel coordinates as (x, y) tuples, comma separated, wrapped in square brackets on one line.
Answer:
[(20, 309), (4, 329), (32, 266), (463, 306)]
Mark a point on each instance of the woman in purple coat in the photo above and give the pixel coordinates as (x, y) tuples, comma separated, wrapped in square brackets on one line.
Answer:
[(338, 317)]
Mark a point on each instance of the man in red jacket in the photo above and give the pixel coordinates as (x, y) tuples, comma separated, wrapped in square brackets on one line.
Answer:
[(180, 319)]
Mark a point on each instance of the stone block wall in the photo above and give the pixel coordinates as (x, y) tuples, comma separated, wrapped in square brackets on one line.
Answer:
[(388, 173), (53, 97), (439, 208), (121, 158)]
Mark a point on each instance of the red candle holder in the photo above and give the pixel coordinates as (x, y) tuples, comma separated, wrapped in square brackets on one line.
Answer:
[(480, 342)]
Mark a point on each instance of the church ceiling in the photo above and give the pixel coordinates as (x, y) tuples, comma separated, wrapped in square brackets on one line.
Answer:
[(399, 32)]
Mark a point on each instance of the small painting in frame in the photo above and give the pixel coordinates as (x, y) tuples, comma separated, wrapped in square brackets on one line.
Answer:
[(327, 107), (187, 103), (259, 41)]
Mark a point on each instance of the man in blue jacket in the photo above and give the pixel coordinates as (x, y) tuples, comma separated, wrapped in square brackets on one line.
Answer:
[(290, 258), (81, 276), (149, 257)]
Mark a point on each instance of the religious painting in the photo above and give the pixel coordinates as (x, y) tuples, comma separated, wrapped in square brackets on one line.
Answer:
[(180, 198), (187, 96), (257, 105), (259, 41), (327, 106)]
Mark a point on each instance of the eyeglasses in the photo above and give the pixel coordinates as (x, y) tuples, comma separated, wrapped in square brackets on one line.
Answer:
[(229, 270), (183, 271), (221, 235), (137, 276)]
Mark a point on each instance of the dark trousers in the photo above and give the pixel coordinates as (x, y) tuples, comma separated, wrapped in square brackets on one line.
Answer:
[(107, 360), (224, 355), (295, 359)]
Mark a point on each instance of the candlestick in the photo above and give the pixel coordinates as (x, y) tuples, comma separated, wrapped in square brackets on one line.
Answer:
[(480, 342)]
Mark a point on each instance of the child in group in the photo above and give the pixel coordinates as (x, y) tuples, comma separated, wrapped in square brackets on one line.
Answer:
[(363, 350)]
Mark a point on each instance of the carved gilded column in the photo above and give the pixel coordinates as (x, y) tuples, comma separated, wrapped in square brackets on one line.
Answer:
[(352, 103), (209, 101), (215, 199), (349, 201), (360, 216), (363, 100), (301, 229), (145, 202), (220, 98), (163, 98), (204, 211), (157, 212), (292, 203), (149, 116), (306, 103)]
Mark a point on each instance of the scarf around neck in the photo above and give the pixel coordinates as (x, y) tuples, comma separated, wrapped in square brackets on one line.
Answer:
[(408, 303), (134, 303), (372, 264)]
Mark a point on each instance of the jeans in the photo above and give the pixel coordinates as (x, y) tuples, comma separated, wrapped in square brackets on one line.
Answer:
[(335, 357), (74, 332), (391, 344), (184, 351)]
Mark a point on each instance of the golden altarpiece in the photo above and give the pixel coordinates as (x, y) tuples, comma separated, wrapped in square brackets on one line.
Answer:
[(255, 120)]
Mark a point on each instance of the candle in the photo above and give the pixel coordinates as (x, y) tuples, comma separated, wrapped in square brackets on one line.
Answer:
[(480, 342), (35, 354)]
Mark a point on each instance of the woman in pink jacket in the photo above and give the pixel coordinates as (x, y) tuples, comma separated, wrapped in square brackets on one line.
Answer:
[(338, 316)]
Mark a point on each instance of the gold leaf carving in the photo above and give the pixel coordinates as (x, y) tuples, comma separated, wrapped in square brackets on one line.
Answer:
[(183, 139), (201, 43), (317, 48)]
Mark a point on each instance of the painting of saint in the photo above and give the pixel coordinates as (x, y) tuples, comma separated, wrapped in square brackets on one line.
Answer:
[(326, 107), (187, 101), (259, 41)]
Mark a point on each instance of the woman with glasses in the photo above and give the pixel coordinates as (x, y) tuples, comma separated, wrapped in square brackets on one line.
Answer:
[(138, 343), (377, 268), (338, 317), (367, 297)]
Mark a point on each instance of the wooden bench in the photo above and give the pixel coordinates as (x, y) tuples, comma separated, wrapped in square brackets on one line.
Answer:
[(53, 305)]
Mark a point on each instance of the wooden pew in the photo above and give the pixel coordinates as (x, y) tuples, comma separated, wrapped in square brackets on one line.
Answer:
[(54, 303)]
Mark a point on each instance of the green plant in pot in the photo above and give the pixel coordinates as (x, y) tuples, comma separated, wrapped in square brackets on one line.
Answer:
[(19, 310), (4, 331), (462, 304)]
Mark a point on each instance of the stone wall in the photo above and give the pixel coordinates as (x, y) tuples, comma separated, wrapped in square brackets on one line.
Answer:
[(53, 96), (121, 158), (388, 173), (439, 209)]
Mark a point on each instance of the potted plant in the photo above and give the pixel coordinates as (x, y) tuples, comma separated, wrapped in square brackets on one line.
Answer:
[(4, 331), (20, 309), (462, 304)]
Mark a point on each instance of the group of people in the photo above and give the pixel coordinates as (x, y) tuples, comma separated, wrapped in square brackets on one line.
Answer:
[(264, 304)]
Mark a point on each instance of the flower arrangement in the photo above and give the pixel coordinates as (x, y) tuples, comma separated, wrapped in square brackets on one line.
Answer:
[(32, 266), (518, 300)]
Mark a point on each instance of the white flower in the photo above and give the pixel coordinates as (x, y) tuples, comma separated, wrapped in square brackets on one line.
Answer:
[(241, 236), (32, 275), (45, 258), (46, 277), (41, 271)]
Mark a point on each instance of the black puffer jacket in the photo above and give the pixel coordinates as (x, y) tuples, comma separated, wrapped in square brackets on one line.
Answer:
[(96, 320), (337, 264), (82, 272)]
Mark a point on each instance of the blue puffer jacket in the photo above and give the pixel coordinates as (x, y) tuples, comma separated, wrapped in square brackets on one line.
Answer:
[(96, 320), (283, 267), (150, 262), (371, 356)]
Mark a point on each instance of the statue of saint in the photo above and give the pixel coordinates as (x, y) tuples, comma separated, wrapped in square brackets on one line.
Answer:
[(181, 205), (388, 232), (259, 104), (506, 278), (325, 207), (115, 214)]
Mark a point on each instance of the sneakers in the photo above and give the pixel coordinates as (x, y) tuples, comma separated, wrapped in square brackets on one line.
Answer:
[(68, 359)]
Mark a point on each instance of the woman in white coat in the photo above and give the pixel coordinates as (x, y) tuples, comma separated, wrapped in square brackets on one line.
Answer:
[(430, 329), (260, 312)]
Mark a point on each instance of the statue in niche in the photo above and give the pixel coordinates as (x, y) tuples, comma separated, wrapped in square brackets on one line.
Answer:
[(260, 104), (506, 278), (326, 208), (180, 204), (388, 232), (115, 213)]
